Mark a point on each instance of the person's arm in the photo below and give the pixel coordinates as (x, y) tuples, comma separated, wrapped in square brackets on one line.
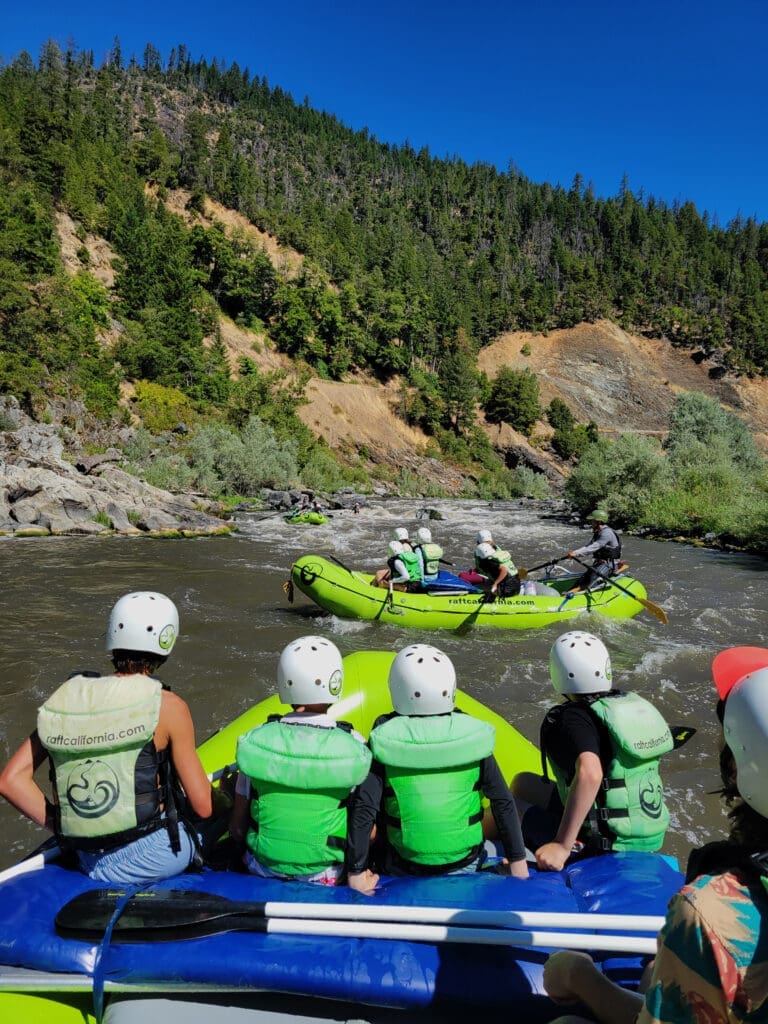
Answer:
[(502, 573), (400, 568), (176, 724), (241, 808), (588, 549), (571, 977), (504, 811), (582, 794), (363, 808), (18, 786)]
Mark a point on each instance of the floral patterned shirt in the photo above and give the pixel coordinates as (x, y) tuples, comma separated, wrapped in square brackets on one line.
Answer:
[(712, 964)]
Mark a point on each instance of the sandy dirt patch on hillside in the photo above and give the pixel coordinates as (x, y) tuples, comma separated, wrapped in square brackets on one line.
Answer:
[(285, 260), (358, 414), (100, 253)]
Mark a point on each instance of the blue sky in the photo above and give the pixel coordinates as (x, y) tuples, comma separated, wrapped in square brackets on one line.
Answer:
[(672, 93)]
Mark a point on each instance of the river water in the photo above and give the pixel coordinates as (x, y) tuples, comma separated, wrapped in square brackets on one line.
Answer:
[(235, 620)]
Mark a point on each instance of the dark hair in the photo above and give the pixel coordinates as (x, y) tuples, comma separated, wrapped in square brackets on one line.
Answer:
[(140, 663), (748, 828)]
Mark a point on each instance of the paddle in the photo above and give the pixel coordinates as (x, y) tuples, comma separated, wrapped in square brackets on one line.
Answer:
[(523, 573), (654, 609), (728, 667), (171, 915)]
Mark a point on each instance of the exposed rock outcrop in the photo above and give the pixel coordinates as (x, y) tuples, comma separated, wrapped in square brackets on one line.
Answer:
[(43, 493)]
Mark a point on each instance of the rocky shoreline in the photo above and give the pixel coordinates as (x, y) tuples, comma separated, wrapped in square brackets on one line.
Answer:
[(50, 487)]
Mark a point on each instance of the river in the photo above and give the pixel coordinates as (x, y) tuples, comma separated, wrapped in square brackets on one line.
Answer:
[(235, 620)]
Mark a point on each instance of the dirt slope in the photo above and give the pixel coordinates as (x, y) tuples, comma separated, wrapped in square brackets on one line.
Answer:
[(624, 381)]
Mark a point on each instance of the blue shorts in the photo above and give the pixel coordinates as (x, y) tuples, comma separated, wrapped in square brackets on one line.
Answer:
[(147, 859)]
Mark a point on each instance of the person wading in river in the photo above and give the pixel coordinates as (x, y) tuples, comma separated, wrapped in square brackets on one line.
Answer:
[(118, 746)]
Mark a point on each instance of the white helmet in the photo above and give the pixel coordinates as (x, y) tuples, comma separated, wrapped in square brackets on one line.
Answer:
[(484, 551), (143, 621), (395, 547), (401, 533), (422, 681), (424, 535), (580, 663), (310, 671), (745, 725), (484, 537)]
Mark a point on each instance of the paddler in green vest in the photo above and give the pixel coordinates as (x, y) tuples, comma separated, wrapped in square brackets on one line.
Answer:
[(118, 746), (403, 570), (297, 772), (496, 566), (429, 555), (431, 766), (604, 747)]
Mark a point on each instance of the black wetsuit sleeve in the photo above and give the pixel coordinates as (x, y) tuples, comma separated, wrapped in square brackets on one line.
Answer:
[(569, 730), (503, 809), (364, 804)]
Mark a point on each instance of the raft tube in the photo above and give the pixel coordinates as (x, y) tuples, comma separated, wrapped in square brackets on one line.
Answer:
[(350, 595)]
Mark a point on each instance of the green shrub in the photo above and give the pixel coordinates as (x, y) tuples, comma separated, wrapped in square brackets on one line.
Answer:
[(695, 417), (623, 476), (225, 461), (161, 408)]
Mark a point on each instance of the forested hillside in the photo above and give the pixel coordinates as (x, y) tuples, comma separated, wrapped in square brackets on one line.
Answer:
[(409, 264), (418, 248)]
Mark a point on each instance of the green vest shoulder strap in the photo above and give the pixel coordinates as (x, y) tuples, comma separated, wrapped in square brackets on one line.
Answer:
[(637, 728), (303, 756), (432, 741)]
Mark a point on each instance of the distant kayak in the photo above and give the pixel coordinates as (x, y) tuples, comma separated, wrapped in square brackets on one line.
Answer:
[(350, 595)]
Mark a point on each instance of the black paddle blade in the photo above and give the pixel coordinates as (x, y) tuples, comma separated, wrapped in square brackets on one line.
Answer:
[(157, 916), (681, 734)]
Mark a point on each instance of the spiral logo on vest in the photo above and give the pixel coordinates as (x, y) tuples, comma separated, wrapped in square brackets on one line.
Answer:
[(92, 790), (651, 796)]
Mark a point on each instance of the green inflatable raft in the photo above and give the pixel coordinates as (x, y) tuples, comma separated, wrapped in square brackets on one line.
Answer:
[(314, 518), (350, 595)]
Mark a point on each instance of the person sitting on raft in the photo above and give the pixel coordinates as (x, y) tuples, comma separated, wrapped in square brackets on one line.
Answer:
[(144, 832), (429, 555), (604, 748), (712, 956), (297, 771), (431, 765), (605, 547), (383, 576), (403, 570), (496, 567)]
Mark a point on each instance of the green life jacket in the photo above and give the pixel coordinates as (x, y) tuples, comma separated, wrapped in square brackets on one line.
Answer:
[(431, 555), (500, 557), (301, 777), (99, 734), (412, 564), (630, 813), (432, 801)]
